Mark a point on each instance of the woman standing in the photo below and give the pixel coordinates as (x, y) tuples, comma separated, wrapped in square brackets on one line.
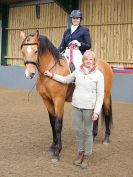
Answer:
[(87, 101), (77, 37)]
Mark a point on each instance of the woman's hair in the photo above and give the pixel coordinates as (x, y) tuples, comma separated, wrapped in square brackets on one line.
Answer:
[(89, 54)]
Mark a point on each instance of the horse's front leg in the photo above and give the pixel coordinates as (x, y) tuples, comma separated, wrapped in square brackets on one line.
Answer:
[(55, 148), (58, 130), (55, 111), (59, 109), (51, 111), (52, 123)]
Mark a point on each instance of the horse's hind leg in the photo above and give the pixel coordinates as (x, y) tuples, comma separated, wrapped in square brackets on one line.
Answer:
[(95, 128), (107, 113)]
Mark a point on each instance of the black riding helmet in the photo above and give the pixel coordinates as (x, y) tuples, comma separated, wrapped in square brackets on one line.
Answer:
[(76, 14)]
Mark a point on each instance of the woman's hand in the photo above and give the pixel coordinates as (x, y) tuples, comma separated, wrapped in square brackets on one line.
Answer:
[(94, 116), (49, 74), (77, 43)]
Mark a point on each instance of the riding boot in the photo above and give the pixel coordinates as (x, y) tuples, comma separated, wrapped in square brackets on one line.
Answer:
[(78, 159)]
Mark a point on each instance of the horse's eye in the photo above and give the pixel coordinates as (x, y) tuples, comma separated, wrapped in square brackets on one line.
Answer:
[(36, 51)]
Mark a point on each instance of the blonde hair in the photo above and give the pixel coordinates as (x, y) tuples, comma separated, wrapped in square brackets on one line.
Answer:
[(89, 54)]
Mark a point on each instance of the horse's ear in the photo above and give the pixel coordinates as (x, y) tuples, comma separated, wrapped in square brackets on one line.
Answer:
[(22, 35), (37, 33)]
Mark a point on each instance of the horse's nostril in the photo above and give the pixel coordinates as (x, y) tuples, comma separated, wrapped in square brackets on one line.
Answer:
[(32, 75)]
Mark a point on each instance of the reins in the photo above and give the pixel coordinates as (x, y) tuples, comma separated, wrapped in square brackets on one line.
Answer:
[(37, 66), (41, 74)]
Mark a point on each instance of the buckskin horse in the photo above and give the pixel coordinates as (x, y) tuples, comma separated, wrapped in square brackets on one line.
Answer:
[(39, 53)]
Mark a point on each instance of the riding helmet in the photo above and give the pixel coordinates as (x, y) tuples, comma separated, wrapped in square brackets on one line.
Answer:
[(76, 14)]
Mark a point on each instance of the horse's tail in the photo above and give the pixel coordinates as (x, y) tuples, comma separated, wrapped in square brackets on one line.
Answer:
[(107, 114)]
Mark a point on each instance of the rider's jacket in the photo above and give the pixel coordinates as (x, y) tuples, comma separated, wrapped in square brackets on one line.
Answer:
[(81, 34)]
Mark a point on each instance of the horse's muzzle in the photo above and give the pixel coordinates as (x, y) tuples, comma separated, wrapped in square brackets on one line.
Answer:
[(29, 75), (32, 75)]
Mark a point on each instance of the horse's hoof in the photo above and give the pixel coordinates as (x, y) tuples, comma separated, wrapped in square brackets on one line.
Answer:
[(51, 153), (55, 160), (51, 150), (106, 141), (94, 138)]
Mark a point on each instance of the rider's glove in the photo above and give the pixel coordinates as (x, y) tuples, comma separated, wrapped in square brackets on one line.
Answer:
[(77, 43)]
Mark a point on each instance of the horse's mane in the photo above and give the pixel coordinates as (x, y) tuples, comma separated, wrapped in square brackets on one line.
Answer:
[(46, 44)]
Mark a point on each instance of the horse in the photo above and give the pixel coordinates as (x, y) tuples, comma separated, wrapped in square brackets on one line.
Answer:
[(40, 55)]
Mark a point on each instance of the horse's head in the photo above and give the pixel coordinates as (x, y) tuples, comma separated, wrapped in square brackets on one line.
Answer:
[(29, 48)]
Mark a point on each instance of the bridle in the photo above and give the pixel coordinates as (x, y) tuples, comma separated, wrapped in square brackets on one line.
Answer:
[(37, 64), (28, 61)]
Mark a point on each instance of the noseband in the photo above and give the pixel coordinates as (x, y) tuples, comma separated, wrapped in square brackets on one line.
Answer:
[(38, 53)]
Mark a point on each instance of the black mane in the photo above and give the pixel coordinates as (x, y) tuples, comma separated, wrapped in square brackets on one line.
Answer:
[(45, 44)]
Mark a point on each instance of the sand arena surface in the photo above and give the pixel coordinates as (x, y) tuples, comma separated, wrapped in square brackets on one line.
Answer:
[(25, 136)]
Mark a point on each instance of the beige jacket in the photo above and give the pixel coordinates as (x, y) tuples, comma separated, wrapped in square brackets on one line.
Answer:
[(89, 88)]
